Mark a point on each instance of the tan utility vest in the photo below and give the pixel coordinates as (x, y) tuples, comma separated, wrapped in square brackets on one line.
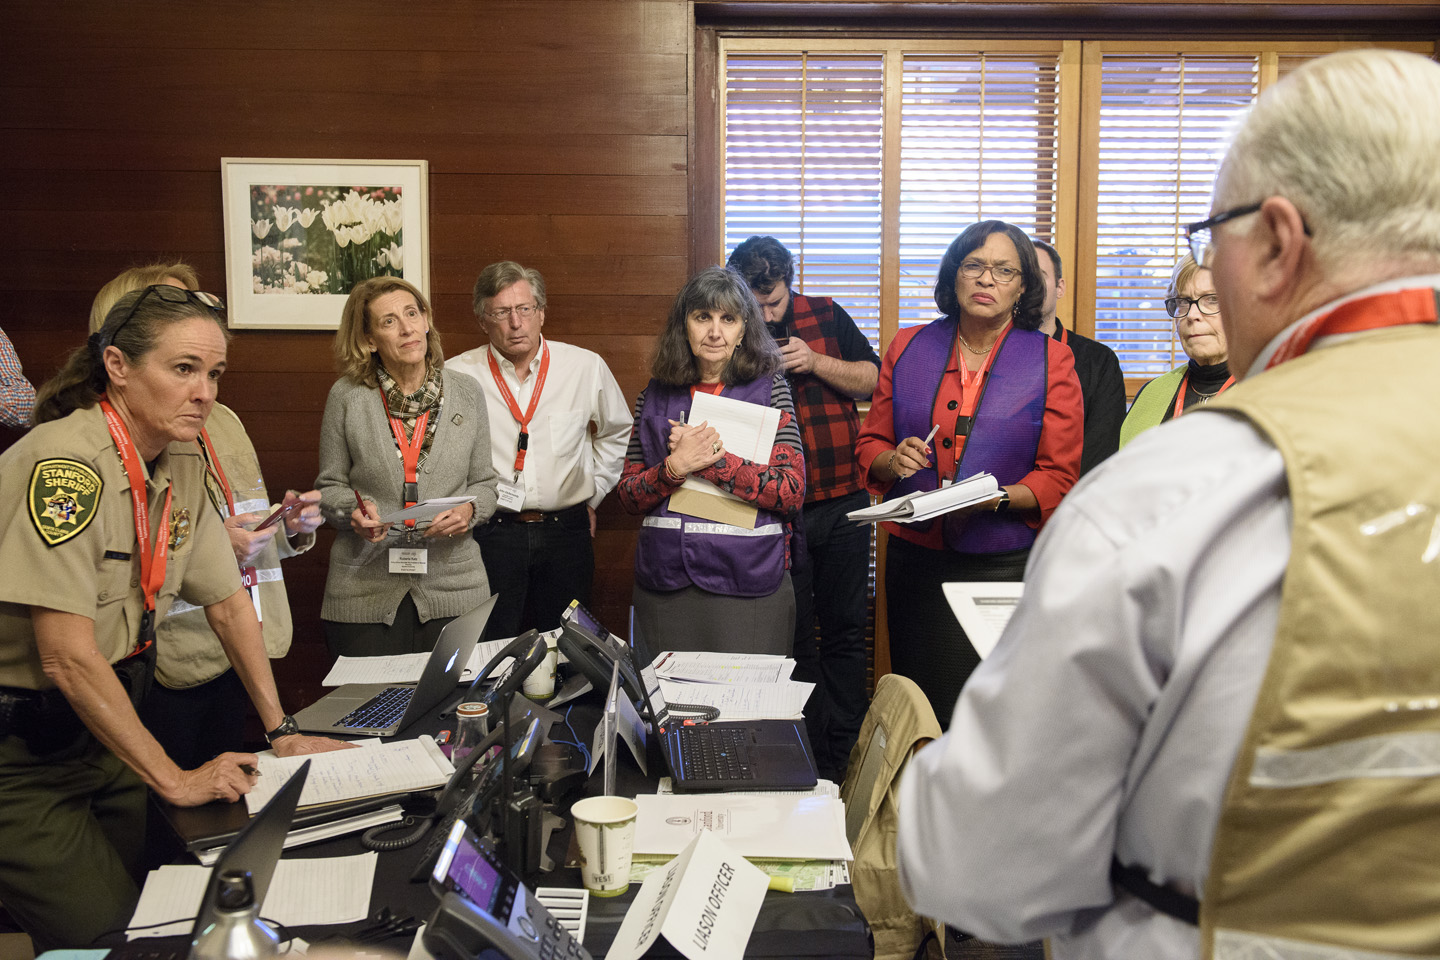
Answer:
[(1328, 844)]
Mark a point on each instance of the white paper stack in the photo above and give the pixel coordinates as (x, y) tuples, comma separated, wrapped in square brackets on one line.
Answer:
[(924, 504), (368, 771)]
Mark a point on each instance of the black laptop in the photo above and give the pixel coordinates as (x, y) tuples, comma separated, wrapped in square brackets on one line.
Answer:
[(383, 710), (716, 755)]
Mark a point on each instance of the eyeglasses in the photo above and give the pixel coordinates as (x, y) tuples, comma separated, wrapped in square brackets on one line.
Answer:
[(974, 270), (171, 294), (1198, 234), (524, 311), (1179, 307)]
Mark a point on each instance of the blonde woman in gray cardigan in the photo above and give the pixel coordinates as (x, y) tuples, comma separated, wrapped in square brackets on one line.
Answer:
[(395, 410)]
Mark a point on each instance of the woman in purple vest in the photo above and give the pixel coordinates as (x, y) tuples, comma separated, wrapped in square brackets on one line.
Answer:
[(702, 584), (1001, 398)]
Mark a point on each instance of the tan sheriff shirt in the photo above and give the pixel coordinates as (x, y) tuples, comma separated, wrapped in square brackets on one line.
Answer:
[(189, 652), (67, 540)]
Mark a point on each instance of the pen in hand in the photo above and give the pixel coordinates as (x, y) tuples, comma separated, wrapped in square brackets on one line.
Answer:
[(931, 435), (251, 771), (360, 502)]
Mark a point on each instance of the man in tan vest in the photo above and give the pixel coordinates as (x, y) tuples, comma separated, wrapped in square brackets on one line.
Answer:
[(1212, 728)]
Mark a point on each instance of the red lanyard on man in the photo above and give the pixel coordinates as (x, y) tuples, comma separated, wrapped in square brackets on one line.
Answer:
[(248, 575), (521, 418), (1394, 309), (409, 451), (152, 561)]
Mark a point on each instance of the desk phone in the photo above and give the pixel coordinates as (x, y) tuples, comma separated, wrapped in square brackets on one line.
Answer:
[(486, 912)]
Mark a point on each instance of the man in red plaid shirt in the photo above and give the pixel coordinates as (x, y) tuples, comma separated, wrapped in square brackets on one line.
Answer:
[(830, 365)]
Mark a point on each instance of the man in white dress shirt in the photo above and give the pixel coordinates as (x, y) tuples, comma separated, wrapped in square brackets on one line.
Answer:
[(1211, 727), (558, 425)]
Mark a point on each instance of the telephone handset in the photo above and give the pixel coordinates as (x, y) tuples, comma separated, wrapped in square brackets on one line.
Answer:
[(461, 800), (486, 912), (528, 651), (596, 650)]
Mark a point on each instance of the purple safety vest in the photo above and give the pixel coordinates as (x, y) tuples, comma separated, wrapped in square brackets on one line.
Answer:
[(676, 550), (1004, 433)]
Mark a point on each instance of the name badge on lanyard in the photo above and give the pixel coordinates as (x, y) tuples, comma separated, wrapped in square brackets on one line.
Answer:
[(512, 495), (409, 559)]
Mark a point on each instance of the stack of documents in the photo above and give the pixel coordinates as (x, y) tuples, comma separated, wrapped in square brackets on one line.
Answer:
[(775, 826), (407, 667), (369, 771), (741, 686), (924, 504), (302, 892)]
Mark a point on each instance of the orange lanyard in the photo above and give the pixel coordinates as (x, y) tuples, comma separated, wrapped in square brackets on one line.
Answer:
[(970, 394), (509, 398), (1394, 309), (1185, 384), (152, 562), (409, 451)]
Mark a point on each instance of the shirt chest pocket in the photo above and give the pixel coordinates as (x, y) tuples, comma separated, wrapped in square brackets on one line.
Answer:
[(567, 435)]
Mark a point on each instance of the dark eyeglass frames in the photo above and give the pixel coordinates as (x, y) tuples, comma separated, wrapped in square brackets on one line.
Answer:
[(171, 294)]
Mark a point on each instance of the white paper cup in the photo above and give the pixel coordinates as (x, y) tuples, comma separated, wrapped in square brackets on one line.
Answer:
[(605, 833), (540, 684)]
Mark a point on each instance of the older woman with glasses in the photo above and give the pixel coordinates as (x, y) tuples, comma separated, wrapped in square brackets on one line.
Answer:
[(1192, 303), (105, 525), (398, 429), (702, 584), (998, 397)]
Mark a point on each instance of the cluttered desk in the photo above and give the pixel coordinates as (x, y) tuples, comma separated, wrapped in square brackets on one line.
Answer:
[(613, 806)]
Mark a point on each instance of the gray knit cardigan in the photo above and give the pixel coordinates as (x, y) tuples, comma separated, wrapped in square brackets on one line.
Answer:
[(358, 452)]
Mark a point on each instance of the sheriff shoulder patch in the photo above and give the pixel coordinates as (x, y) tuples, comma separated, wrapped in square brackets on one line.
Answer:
[(64, 496)]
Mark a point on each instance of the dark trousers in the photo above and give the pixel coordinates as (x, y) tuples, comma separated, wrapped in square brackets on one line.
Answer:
[(199, 723), (536, 569), (72, 828), (926, 641), (407, 634), (831, 576)]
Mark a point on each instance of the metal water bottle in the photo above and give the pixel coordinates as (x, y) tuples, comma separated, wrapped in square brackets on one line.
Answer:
[(236, 933)]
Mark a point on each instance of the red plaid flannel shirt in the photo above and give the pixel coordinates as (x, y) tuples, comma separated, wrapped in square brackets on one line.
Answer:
[(829, 422)]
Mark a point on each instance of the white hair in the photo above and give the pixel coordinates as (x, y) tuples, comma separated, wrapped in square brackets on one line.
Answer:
[(1352, 139)]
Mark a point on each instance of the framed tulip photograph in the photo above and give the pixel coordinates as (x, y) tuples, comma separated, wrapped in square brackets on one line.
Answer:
[(299, 234)]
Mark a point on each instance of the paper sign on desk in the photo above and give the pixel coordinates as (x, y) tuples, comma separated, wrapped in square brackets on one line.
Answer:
[(704, 902), (983, 610), (748, 431), (631, 729)]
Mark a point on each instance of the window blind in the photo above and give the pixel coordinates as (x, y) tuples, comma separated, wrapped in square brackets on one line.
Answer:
[(978, 142), (803, 164), (1164, 124)]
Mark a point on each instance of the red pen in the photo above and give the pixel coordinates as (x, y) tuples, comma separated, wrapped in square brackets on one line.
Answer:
[(364, 511)]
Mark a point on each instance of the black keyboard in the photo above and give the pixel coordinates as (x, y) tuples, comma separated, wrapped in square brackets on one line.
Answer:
[(714, 753), (380, 711)]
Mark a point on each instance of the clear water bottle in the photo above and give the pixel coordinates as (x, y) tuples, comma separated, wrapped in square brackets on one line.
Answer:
[(473, 720), (236, 933)]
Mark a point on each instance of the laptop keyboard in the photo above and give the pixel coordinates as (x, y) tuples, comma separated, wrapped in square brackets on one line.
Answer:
[(380, 711), (714, 753)]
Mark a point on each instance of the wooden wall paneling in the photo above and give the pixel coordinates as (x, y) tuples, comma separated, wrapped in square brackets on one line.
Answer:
[(558, 134)]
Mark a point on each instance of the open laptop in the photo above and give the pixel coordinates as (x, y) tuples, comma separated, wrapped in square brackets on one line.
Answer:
[(384, 709), (255, 850), (718, 755)]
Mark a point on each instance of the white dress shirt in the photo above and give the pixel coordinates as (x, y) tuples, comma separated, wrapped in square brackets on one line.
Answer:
[(564, 464)]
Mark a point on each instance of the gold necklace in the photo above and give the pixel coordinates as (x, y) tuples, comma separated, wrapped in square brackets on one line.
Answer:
[(966, 344)]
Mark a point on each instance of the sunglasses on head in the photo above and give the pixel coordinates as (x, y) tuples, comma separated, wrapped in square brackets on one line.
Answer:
[(171, 294)]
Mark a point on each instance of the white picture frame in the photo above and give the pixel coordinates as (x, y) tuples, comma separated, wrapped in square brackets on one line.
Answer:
[(288, 222)]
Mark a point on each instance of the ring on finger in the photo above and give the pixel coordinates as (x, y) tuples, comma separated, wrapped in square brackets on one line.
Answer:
[(715, 447)]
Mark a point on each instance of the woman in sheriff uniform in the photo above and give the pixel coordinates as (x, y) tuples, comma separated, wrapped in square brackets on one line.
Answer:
[(196, 706), (102, 526)]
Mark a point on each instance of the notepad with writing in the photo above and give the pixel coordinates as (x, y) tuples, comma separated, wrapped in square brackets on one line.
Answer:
[(369, 771)]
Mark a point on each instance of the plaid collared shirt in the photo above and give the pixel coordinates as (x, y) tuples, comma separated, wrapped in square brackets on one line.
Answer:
[(829, 422)]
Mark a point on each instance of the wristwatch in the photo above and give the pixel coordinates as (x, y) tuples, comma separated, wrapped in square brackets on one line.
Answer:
[(1003, 504), (287, 727)]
